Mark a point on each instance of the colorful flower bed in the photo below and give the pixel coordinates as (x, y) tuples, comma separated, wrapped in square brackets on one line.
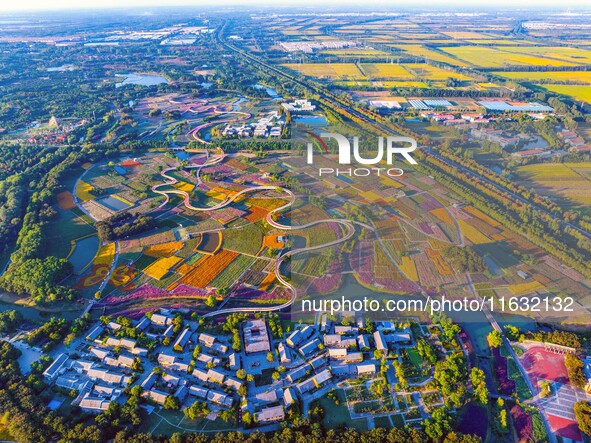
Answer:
[(147, 291), (164, 249), (208, 269), (522, 423), (506, 385)]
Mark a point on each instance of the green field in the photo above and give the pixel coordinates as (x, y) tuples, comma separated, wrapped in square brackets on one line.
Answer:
[(578, 92), (568, 182)]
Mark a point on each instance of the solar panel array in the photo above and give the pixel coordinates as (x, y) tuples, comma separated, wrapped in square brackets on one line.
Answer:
[(437, 103)]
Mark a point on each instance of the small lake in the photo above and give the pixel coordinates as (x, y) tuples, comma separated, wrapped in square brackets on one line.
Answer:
[(114, 204), (316, 121), (84, 252), (270, 91), (538, 143), (141, 79), (120, 169), (181, 155)]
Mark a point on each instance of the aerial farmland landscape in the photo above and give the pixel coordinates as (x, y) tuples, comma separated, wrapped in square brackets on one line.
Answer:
[(256, 223)]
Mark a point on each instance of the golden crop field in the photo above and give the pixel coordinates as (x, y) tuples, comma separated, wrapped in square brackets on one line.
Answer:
[(492, 57), (565, 180), (466, 34), (428, 72), (473, 234), (525, 288), (386, 71), (571, 76), (422, 52), (409, 268), (568, 54), (333, 71), (83, 191), (578, 92)]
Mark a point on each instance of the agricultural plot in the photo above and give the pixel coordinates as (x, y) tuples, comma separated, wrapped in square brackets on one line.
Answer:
[(208, 269), (564, 53), (246, 240), (424, 71), (577, 92), (331, 71), (581, 77), (566, 181), (491, 57), (230, 274), (388, 71), (420, 51)]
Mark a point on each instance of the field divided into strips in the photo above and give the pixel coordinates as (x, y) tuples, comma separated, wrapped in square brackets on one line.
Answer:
[(164, 249), (231, 273), (491, 57), (208, 269), (577, 92), (247, 240), (409, 268), (569, 181), (333, 71), (473, 234), (581, 77), (429, 54)]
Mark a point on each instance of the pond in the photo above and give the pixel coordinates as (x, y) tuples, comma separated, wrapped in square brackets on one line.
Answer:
[(113, 203), (84, 252), (63, 68), (120, 169), (141, 79), (311, 120), (181, 155)]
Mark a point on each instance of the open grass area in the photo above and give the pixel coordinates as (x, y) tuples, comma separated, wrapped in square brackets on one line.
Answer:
[(61, 231), (520, 384), (247, 240), (335, 415)]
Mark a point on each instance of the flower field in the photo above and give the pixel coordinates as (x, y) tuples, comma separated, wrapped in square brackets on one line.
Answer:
[(160, 267), (267, 282), (525, 288), (105, 255), (164, 249), (409, 268), (208, 269), (83, 191), (473, 234)]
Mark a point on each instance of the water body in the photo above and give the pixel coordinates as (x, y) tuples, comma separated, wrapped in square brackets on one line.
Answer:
[(84, 252), (181, 155), (270, 91), (141, 79), (538, 143), (316, 121), (113, 203), (120, 169)]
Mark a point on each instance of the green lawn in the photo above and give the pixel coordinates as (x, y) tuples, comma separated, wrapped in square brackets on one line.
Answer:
[(520, 384), (335, 415), (61, 231)]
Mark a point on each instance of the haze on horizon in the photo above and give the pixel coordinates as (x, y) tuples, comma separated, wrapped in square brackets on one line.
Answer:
[(42, 5)]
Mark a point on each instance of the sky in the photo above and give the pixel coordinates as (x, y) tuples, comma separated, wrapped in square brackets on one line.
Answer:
[(32, 5)]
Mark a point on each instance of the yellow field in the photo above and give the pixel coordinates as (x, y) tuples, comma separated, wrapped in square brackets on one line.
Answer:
[(428, 72), (442, 266), (160, 267), (328, 70), (481, 215), (409, 268), (267, 282), (386, 70), (83, 191), (421, 51), (354, 52), (492, 57), (473, 234), (568, 54), (525, 288), (466, 35), (565, 180), (370, 196), (571, 76), (105, 255), (183, 186), (582, 93), (442, 215), (164, 249)]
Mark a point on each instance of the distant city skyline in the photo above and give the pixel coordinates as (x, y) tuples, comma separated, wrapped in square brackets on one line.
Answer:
[(40, 5)]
